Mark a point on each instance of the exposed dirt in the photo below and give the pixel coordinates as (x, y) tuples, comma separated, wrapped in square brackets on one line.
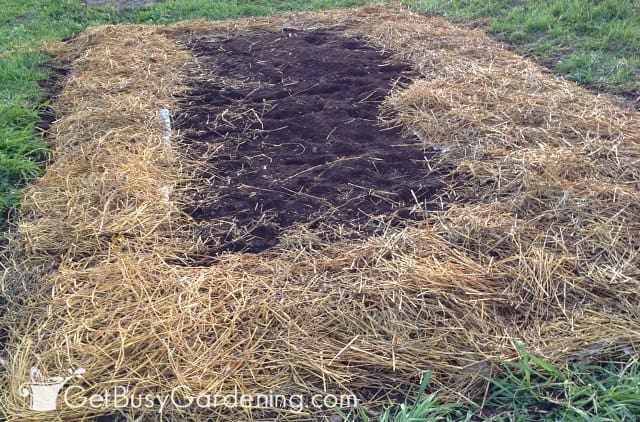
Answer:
[(50, 88), (293, 120)]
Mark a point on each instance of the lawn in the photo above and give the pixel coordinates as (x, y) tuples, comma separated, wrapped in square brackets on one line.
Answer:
[(594, 43)]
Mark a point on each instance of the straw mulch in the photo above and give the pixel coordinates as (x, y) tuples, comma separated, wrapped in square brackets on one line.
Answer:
[(539, 241)]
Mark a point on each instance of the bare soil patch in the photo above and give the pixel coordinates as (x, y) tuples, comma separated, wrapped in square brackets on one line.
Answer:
[(292, 118)]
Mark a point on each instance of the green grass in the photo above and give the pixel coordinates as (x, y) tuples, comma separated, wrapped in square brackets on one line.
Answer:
[(532, 390), (20, 151), (532, 387), (596, 43)]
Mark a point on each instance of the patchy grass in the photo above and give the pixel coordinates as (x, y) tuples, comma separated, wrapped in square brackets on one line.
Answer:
[(596, 43), (532, 389)]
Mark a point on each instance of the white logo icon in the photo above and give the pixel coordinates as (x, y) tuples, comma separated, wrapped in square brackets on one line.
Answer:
[(43, 392)]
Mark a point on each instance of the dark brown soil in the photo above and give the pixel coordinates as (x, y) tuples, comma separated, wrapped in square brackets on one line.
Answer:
[(50, 88), (293, 120)]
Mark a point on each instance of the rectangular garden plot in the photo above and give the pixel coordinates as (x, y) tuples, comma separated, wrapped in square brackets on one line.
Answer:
[(128, 258)]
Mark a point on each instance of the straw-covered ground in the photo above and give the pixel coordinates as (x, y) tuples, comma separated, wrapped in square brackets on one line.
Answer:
[(540, 244)]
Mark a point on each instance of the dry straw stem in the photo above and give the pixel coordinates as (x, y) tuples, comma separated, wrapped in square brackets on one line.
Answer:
[(538, 240)]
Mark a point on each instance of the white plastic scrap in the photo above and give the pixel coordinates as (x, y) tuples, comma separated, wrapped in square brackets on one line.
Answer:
[(436, 147), (165, 192), (165, 120)]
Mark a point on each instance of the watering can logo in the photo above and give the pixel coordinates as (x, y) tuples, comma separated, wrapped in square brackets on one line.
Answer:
[(44, 392)]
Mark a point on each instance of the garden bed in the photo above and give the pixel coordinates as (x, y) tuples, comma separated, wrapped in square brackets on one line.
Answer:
[(346, 291)]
